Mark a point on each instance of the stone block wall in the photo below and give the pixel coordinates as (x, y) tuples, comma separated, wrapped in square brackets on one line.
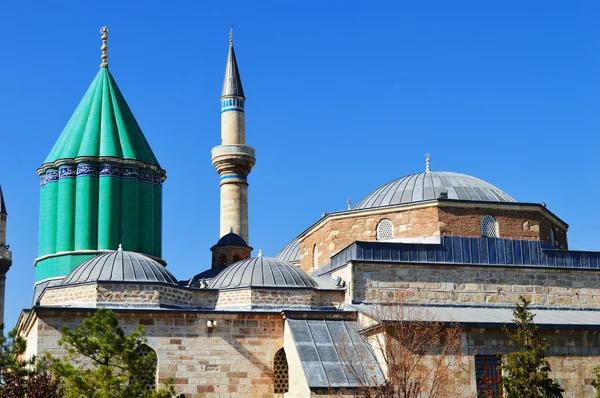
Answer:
[(339, 232), (486, 285), (73, 294), (572, 356), (235, 358), (512, 224), (105, 294), (336, 232)]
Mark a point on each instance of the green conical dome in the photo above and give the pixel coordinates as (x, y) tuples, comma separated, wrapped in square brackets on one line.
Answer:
[(101, 185), (103, 125)]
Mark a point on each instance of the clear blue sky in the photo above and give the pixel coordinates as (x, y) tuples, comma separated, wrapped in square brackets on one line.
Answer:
[(507, 91)]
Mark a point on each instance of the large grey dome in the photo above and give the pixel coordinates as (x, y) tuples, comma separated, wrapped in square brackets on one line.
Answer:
[(262, 272), (119, 266), (428, 186)]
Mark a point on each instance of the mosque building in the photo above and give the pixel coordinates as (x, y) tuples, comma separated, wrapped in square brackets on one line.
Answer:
[(270, 327)]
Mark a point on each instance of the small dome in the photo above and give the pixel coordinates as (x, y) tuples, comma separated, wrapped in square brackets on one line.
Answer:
[(290, 253), (119, 266), (429, 185), (262, 272), (231, 239)]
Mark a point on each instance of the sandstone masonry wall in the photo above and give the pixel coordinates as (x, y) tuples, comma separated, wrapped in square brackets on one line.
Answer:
[(475, 285), (339, 231), (235, 358), (513, 224), (572, 356)]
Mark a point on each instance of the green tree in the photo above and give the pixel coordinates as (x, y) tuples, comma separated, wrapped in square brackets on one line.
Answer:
[(596, 382), (20, 377), (103, 362), (526, 370)]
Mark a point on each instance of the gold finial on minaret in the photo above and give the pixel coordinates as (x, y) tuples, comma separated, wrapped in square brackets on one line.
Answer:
[(231, 35), (104, 31)]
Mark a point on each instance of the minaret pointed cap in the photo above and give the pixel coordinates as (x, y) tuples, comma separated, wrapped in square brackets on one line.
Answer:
[(232, 85), (2, 204)]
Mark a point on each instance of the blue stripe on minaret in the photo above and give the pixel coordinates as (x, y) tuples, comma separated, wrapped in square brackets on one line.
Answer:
[(232, 110), (233, 176)]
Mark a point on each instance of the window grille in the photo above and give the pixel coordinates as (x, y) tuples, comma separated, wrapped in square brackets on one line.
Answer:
[(489, 227), (385, 230), (222, 260), (148, 379), (281, 373), (487, 376), (315, 257)]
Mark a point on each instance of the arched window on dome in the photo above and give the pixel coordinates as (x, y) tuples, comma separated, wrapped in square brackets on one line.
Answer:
[(236, 258), (281, 373), (552, 237), (385, 230), (489, 227), (147, 379), (222, 260), (315, 256)]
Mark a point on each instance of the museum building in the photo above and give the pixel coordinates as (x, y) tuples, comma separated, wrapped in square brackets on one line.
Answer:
[(449, 243)]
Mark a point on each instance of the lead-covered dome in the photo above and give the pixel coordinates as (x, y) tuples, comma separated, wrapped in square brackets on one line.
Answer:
[(262, 272), (119, 266), (429, 186)]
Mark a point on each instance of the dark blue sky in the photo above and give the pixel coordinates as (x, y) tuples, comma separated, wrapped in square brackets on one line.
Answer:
[(342, 98)]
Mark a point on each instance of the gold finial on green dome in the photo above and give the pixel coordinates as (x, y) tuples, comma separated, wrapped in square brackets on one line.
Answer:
[(231, 35), (104, 31)]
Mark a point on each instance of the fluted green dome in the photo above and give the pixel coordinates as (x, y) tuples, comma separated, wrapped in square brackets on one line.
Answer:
[(101, 185), (103, 125)]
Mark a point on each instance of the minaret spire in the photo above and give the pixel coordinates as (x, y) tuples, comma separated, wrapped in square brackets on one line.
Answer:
[(5, 254), (233, 159)]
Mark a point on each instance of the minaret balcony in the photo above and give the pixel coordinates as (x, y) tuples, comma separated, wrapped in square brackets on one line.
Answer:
[(5, 259), (238, 159)]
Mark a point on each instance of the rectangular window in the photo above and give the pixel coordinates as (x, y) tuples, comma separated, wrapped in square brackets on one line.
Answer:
[(487, 375)]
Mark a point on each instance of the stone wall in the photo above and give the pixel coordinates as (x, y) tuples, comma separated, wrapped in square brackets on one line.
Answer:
[(336, 232), (572, 356), (120, 294), (339, 232), (512, 224), (235, 298), (235, 358), (73, 294), (487, 285)]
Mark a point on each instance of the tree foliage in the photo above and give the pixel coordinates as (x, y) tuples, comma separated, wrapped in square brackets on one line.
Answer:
[(422, 355), (526, 370), (596, 382), (21, 377), (103, 362)]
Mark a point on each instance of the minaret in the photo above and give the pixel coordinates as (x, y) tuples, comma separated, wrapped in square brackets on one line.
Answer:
[(5, 254), (101, 184), (233, 159)]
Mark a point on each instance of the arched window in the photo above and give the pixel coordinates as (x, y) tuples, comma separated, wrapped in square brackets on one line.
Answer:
[(489, 227), (148, 379), (385, 229), (315, 256), (281, 373), (552, 237), (222, 260), (236, 258)]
